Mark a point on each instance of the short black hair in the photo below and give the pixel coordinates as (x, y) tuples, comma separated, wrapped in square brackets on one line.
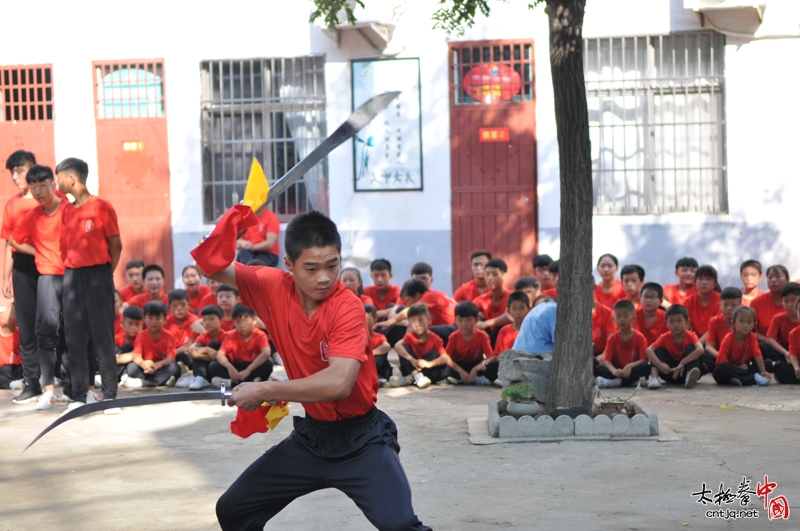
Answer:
[(257, 262), (790, 288), (654, 286), (20, 158), (527, 282), (686, 261), (188, 267), (608, 255), (751, 263), (541, 298), (466, 309), (177, 295), (706, 271), (553, 267), (421, 268), (212, 309), (418, 309), (76, 167), (677, 309), (518, 296), (480, 252), (541, 260), (631, 269), (381, 264), (225, 287), (152, 267), (39, 174), (241, 310), (413, 287), (155, 308), (780, 268), (133, 312), (744, 309), (372, 310), (132, 264), (624, 304), (309, 230), (497, 263), (730, 294)]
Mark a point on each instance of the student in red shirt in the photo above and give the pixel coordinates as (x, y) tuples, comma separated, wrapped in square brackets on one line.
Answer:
[(651, 321), (739, 361), (205, 347), (788, 372), (20, 277), (518, 307), (609, 290), (91, 251), (751, 274), (424, 272), (541, 270), (153, 352), (197, 292), (260, 242), (553, 292), (227, 299), (351, 278), (132, 317), (244, 354), (492, 305), (10, 362), (379, 346), (423, 359), (441, 306), (675, 356), (775, 346), (625, 359), (133, 276), (704, 304), (476, 287), (40, 235), (211, 297), (383, 293), (153, 275), (185, 327), (685, 270), (602, 326), (769, 304), (719, 326), (632, 281), (320, 330), (530, 286), (469, 349)]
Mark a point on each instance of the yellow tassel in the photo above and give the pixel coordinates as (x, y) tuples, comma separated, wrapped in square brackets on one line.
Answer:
[(257, 189), (276, 413)]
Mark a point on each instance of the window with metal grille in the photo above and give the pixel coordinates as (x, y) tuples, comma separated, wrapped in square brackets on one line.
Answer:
[(270, 109), (26, 93), (488, 72), (657, 123), (132, 89)]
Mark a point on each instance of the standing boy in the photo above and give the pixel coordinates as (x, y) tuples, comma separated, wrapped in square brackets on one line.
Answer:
[(469, 291), (382, 292), (469, 350), (625, 358), (632, 280), (685, 269), (153, 276), (91, 248), (153, 352), (423, 359), (675, 356), (704, 304), (133, 276), (244, 354), (739, 361), (650, 321)]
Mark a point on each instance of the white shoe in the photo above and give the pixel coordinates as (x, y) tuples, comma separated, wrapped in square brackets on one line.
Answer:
[(482, 380), (92, 397), (170, 382), (46, 401), (98, 380), (498, 383), (400, 381), (15, 385), (111, 410), (452, 380), (691, 378), (185, 380), (71, 406), (130, 383), (606, 383), (277, 360), (761, 380), (421, 381), (218, 381), (653, 383), (198, 382)]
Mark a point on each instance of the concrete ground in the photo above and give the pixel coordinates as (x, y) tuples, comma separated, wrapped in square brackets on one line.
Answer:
[(163, 467)]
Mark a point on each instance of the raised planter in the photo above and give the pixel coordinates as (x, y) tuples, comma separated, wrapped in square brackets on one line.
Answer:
[(518, 409)]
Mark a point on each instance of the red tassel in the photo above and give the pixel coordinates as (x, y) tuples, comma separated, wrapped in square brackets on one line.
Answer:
[(219, 249), (249, 422)]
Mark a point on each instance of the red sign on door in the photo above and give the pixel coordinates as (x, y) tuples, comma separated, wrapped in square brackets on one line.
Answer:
[(494, 134)]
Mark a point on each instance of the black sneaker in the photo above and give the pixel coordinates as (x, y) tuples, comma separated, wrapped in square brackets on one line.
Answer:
[(28, 395)]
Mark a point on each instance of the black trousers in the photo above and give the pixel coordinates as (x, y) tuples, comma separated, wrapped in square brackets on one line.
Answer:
[(48, 321), (444, 331), (490, 373), (643, 369), (784, 373), (89, 328), (262, 371), (383, 366), (663, 355), (25, 279), (725, 371), (244, 256), (770, 356), (357, 456), (155, 379), (708, 362), (436, 374), (9, 373)]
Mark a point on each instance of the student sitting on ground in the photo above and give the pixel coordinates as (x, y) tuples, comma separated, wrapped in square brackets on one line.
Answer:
[(133, 276), (378, 345), (602, 326), (650, 321), (477, 286), (415, 291), (775, 345), (739, 361), (685, 270), (205, 348), (351, 277), (625, 358), (227, 299), (704, 304), (469, 350), (751, 274), (153, 276), (769, 304), (609, 290), (538, 330), (530, 286), (541, 270), (383, 293), (153, 352), (518, 307), (10, 361), (244, 355), (553, 292), (193, 284), (211, 298), (184, 326), (719, 326), (675, 356), (423, 359), (632, 281), (131, 327), (492, 304), (788, 372)]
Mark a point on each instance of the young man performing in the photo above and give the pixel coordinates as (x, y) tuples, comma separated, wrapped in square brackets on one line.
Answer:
[(320, 330)]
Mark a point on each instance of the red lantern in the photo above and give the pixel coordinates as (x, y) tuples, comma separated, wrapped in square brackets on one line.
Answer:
[(492, 83)]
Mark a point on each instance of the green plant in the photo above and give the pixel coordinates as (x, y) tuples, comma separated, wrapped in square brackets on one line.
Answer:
[(518, 393)]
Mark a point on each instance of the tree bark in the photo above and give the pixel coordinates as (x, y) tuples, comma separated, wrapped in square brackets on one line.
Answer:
[(570, 378)]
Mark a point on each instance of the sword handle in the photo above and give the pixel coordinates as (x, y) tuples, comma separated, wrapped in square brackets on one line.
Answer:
[(224, 394)]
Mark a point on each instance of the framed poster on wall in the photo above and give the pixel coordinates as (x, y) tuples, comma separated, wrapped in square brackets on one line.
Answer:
[(387, 153)]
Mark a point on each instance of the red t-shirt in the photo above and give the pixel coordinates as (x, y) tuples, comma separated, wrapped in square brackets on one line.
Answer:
[(154, 349), (143, 298), (621, 353), (794, 342), (440, 306), (472, 351), (717, 330), (731, 351), (650, 333), (338, 328), (122, 339), (9, 349), (207, 300), (418, 349), (603, 325), (127, 293), (391, 296), (667, 341), (746, 301), (552, 293), (610, 299), (86, 232), (780, 328), (184, 333), (765, 311), (205, 338), (672, 292), (267, 222), (14, 213), (240, 351), (44, 233), (505, 339), (366, 299), (699, 316), (484, 304), (468, 291), (196, 303), (376, 340), (227, 325), (118, 324)]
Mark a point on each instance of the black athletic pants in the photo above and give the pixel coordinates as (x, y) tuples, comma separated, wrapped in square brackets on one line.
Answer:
[(89, 328), (200, 367), (9, 373), (262, 371), (357, 456), (155, 379), (725, 371), (245, 255), (436, 374), (643, 369), (48, 320), (490, 372), (25, 279), (770, 355), (383, 366), (784, 373), (664, 355)]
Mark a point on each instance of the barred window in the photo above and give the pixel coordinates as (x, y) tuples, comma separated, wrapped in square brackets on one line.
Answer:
[(132, 89), (270, 109), (26, 93), (657, 123)]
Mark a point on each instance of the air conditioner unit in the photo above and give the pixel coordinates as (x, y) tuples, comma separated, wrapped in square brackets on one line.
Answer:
[(733, 17), (375, 22), (698, 5)]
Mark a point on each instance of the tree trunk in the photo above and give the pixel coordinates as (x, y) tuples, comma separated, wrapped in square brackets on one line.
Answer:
[(570, 378)]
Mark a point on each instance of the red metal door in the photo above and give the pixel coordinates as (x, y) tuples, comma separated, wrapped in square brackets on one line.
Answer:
[(133, 158), (493, 154)]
